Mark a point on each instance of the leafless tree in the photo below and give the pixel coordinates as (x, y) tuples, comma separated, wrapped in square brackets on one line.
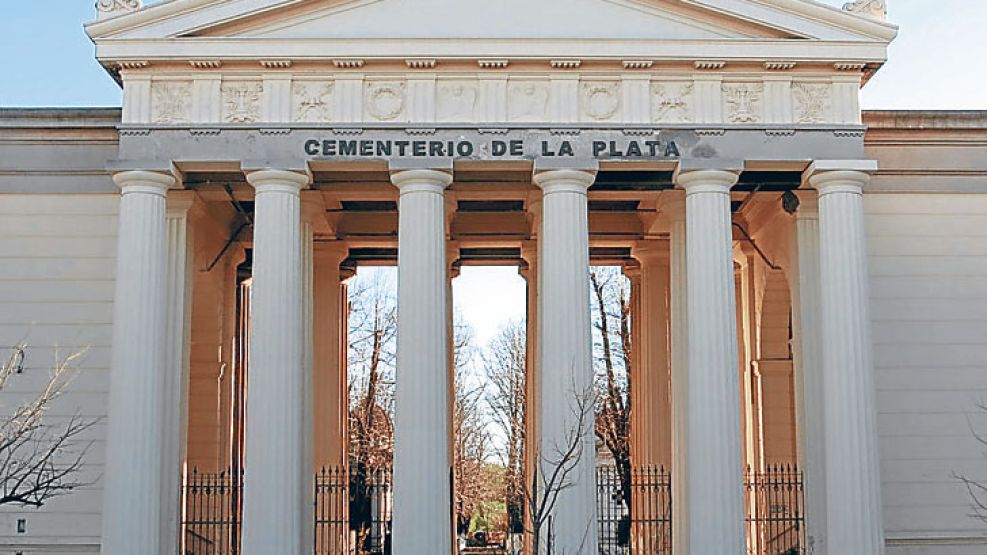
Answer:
[(40, 460), (504, 366), (612, 353), (554, 474), (371, 353), (977, 489)]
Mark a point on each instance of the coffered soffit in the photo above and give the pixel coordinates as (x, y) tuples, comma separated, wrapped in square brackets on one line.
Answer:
[(597, 28)]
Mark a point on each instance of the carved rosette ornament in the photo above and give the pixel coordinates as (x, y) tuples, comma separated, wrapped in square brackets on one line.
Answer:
[(313, 102), (110, 8), (385, 101), (878, 9), (171, 102), (743, 102), (672, 102), (601, 100), (241, 102), (813, 102)]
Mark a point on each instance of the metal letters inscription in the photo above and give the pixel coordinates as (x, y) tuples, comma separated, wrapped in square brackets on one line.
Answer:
[(502, 146)]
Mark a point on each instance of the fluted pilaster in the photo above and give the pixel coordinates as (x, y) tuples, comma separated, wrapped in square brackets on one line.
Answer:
[(852, 465), (565, 357), (715, 487), (654, 380), (809, 411), (308, 379), (422, 522), (673, 205), (329, 389), (175, 391), (132, 519), (274, 472)]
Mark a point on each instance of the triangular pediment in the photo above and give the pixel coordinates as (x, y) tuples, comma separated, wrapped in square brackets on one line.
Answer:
[(590, 20)]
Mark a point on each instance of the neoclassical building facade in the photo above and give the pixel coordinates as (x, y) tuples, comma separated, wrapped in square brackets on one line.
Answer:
[(808, 278)]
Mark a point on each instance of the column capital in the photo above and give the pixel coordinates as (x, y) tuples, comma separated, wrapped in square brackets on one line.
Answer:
[(555, 177), (671, 204), (180, 202), (705, 176), (421, 180), (651, 252), (274, 180), (141, 181), (848, 176)]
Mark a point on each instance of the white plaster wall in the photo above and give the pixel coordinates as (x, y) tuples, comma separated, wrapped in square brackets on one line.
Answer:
[(57, 263), (928, 266)]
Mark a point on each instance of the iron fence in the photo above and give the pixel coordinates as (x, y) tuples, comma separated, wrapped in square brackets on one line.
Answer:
[(634, 511), (775, 511), (352, 512), (211, 517), (353, 509)]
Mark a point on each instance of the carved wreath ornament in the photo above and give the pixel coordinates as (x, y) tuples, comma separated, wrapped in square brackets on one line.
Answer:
[(385, 100), (601, 100)]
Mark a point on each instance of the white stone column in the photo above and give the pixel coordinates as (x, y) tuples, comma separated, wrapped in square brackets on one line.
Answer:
[(565, 358), (421, 424), (654, 380), (274, 480), (715, 486), (853, 484), (175, 391), (132, 519), (809, 411), (673, 207)]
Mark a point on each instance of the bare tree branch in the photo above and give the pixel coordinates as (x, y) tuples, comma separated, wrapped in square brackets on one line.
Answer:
[(39, 460)]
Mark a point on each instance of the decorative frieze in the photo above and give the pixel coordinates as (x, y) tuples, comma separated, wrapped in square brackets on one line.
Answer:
[(812, 102), (276, 64), (312, 101), (241, 101), (743, 102), (672, 102), (421, 63), (780, 66), (456, 101), (171, 102), (385, 100), (600, 100), (528, 101)]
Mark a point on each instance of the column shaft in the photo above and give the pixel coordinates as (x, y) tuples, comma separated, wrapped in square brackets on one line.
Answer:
[(715, 486), (132, 519), (422, 429), (566, 414), (810, 418), (274, 471), (852, 465)]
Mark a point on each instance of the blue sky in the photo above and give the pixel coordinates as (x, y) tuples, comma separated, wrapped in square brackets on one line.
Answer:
[(936, 63)]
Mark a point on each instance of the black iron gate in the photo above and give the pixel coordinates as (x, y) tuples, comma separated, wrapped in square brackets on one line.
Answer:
[(634, 511), (775, 511)]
